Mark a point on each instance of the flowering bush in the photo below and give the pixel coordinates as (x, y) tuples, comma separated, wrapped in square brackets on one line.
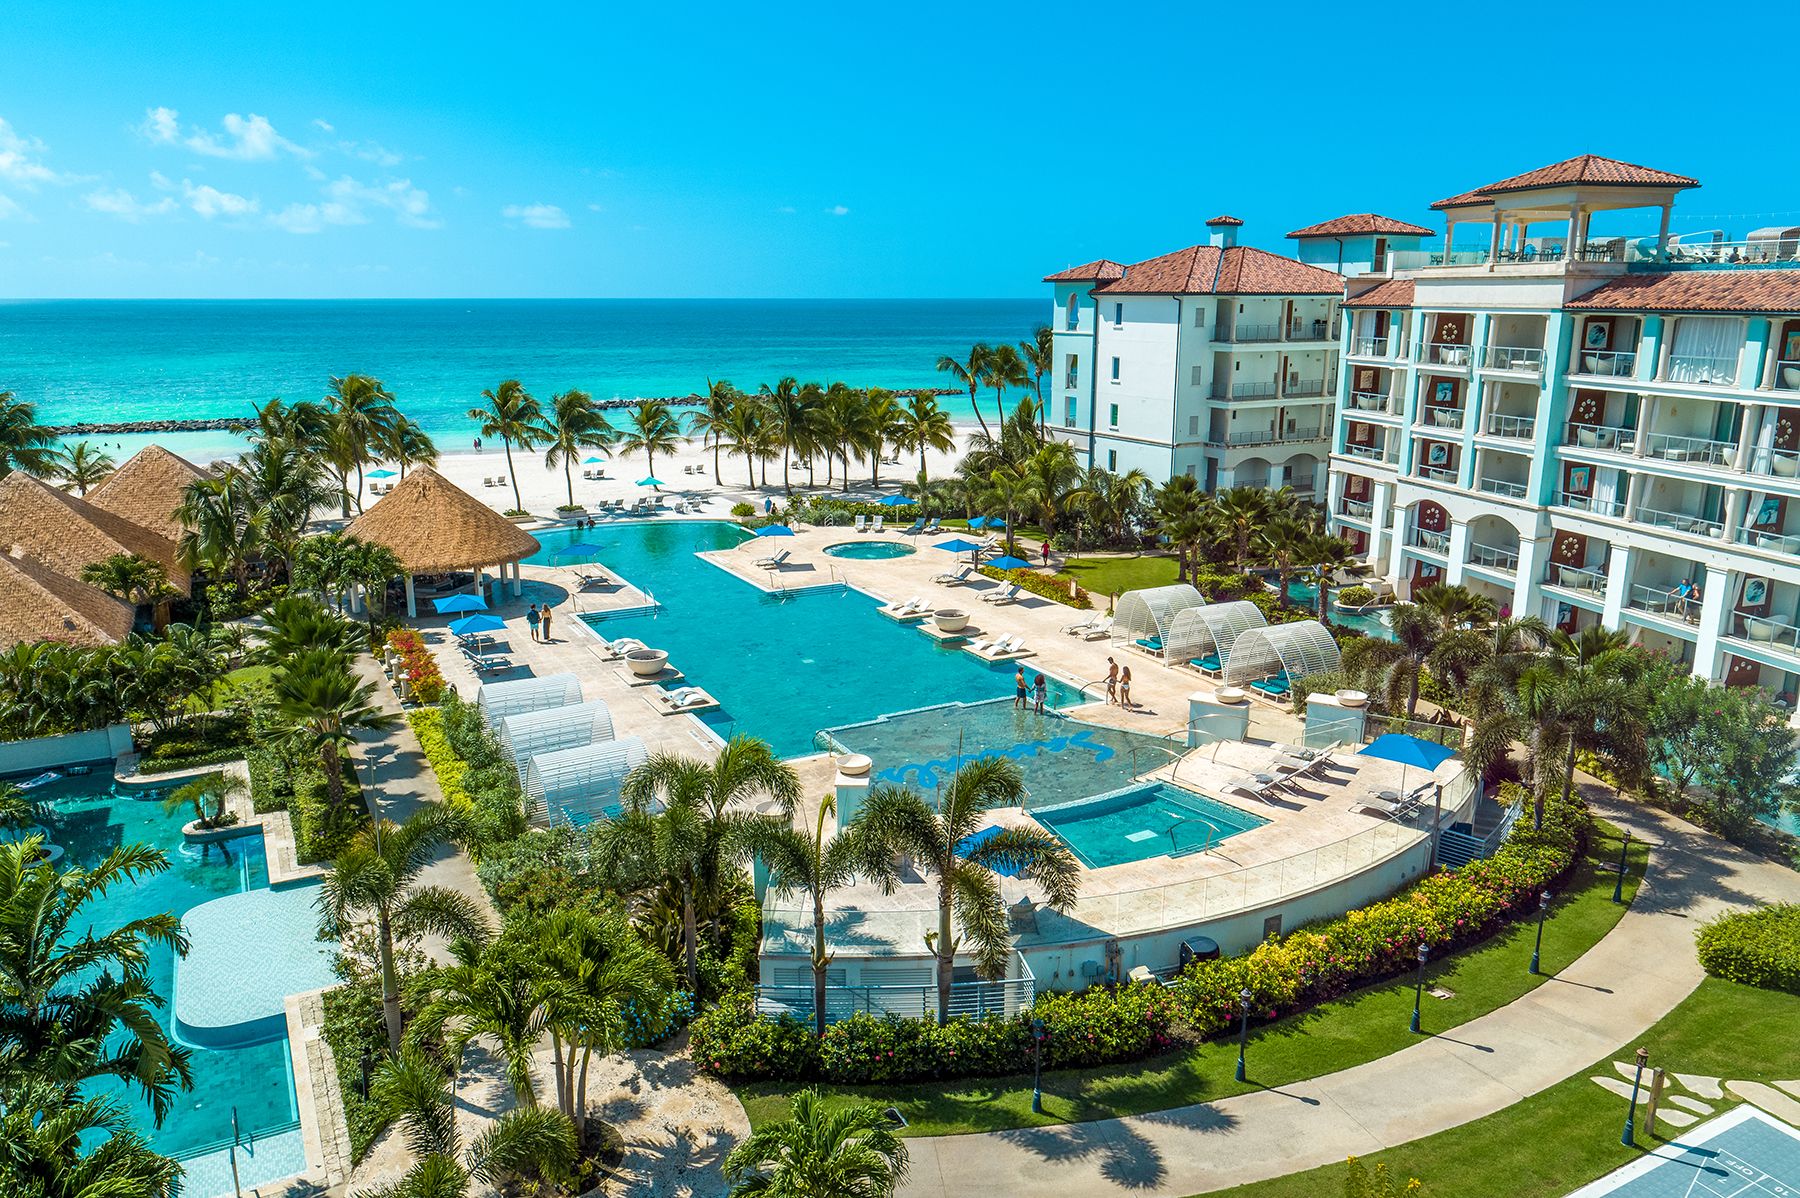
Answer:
[(1061, 590), (417, 665), (731, 1041), (648, 1025)]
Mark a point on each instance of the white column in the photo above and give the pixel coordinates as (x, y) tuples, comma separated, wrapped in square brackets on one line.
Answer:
[(1662, 232), (1458, 553), (1525, 584), (1715, 609), (1397, 551), (1494, 244), (412, 601), (518, 581), (1737, 499), (1754, 415), (1618, 586), (1381, 506)]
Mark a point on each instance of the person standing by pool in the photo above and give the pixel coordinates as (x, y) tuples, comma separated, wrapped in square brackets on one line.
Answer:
[(1125, 689), (1022, 691), (546, 623), (532, 618), (1040, 690), (1112, 681)]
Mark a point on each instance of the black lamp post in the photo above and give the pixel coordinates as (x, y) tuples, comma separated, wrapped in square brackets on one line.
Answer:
[(1244, 997), (1630, 1136), (1419, 985), (1543, 906), (1037, 1066), (1619, 882)]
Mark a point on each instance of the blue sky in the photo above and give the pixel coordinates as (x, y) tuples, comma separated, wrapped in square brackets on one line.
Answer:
[(799, 149)]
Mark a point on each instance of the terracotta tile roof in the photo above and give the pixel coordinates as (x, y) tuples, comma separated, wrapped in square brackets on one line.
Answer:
[(1696, 291), (1223, 220), (38, 604), (66, 533), (1584, 168), (1363, 222), (1395, 293), (1212, 270), (1099, 270), (147, 489)]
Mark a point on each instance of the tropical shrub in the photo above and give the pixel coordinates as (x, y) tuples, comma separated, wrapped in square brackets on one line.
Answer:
[(1042, 584), (417, 665), (1757, 948), (648, 1024), (483, 788), (195, 742), (731, 1041), (742, 510), (1223, 587), (355, 1031), (534, 874), (1356, 596)]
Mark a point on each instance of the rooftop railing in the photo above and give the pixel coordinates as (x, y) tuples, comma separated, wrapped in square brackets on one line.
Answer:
[(1697, 526), (1419, 259), (1721, 253), (1515, 357), (1600, 436), (1673, 447), (1576, 578), (1501, 424)]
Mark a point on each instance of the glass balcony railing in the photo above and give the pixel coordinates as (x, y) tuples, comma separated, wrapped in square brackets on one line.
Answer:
[(1777, 463), (1515, 357), (1500, 424), (1607, 363), (1589, 503), (1577, 578), (1268, 436), (1433, 417), (1600, 436), (1697, 526), (1772, 542), (1248, 333), (1303, 388), (1359, 509), (1367, 401), (1686, 368), (1439, 353), (1369, 347), (1501, 487), (1761, 630), (1663, 601), (1243, 391), (1312, 330), (1436, 542), (1673, 447), (1437, 474), (1493, 557), (1371, 453)]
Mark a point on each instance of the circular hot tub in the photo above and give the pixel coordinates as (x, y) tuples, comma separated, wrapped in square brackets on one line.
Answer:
[(868, 551)]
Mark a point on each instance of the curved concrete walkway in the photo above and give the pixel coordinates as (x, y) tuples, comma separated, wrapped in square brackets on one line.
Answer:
[(1642, 969)]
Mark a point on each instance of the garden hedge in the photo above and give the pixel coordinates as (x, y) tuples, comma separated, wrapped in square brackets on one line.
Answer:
[(1041, 584), (1757, 948), (1107, 1024)]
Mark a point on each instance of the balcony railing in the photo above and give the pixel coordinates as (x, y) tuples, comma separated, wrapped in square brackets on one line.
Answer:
[(1787, 376), (1600, 436), (1312, 330), (1697, 526), (1499, 424), (1302, 388), (1773, 542), (1684, 368), (1723, 253), (1435, 417), (1422, 538), (1268, 436), (1607, 363), (1367, 401), (1515, 357), (1589, 503), (1243, 391), (1663, 601), (1674, 448), (1248, 333), (1576, 578), (1493, 557), (1440, 353), (1416, 259), (1359, 509), (1761, 630), (1369, 347), (1500, 486), (1437, 474), (1371, 453)]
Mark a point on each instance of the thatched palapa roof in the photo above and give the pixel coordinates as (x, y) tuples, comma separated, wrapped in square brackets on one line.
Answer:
[(147, 489), (38, 604), (65, 533), (433, 525)]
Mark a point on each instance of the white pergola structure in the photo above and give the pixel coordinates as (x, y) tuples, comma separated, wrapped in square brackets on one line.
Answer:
[(577, 786), (1203, 636), (516, 696), (1292, 651), (528, 733), (1146, 615)]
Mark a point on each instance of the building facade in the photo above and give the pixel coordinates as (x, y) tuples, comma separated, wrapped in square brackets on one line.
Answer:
[(1593, 429), (1218, 361)]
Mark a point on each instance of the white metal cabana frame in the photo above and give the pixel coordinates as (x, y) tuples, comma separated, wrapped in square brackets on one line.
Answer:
[(1203, 636), (1273, 658), (577, 786), (530, 733), (516, 696), (1145, 616)]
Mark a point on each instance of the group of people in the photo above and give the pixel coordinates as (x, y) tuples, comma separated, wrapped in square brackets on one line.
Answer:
[(1684, 593), (539, 619), (1036, 694), (1118, 684)]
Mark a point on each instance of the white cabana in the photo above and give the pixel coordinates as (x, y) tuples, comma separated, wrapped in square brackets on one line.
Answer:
[(1274, 658), (1203, 636), (529, 733), (1145, 616), (579, 785), (498, 700)]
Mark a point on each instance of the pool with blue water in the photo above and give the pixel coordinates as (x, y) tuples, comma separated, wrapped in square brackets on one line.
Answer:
[(1136, 823), (783, 667)]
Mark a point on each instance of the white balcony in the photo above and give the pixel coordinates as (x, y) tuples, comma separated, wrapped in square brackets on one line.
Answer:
[(1248, 334), (1671, 447), (1434, 417), (1303, 388), (1777, 463), (1499, 424), (1716, 372), (1600, 436), (1607, 363), (1437, 474), (1761, 630), (1770, 542), (1528, 358), (1369, 347), (1695, 526), (1358, 509), (1243, 391), (1663, 601), (1588, 503), (1576, 578), (1493, 557), (1501, 487), (1787, 376), (1367, 401), (1439, 353), (1372, 453), (1434, 542)]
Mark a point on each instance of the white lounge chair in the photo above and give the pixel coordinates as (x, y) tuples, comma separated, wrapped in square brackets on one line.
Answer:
[(623, 645), (878, 523), (931, 528), (1083, 627), (1100, 631), (912, 606), (688, 696), (862, 523), (775, 560), (955, 577), (1006, 594)]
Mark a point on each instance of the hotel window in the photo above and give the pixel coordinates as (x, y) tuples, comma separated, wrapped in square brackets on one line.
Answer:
[(1118, 316), (1199, 318), (1112, 459), (1069, 413), (1071, 369), (1193, 427), (1199, 376), (1112, 416), (1074, 317), (1115, 370), (1190, 470)]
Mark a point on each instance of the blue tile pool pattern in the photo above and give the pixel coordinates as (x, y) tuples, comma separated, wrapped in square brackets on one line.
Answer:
[(782, 666), (1745, 1153), (869, 551), (89, 818), (249, 952), (1139, 822)]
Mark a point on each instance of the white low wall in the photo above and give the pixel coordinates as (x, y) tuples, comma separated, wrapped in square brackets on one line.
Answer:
[(71, 748)]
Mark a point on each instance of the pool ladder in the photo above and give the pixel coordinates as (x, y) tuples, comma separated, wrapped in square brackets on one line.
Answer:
[(1215, 834)]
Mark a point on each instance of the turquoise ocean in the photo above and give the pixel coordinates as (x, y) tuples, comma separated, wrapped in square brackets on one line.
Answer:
[(124, 360)]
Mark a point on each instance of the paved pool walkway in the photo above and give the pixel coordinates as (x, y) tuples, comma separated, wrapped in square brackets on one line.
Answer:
[(1602, 1002)]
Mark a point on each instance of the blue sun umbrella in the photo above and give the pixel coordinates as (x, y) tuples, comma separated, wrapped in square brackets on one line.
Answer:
[(1411, 751), (592, 460), (381, 474), (652, 481), (893, 501), (579, 549), (472, 625), (1009, 562), (456, 604), (987, 522), (957, 545), (775, 530)]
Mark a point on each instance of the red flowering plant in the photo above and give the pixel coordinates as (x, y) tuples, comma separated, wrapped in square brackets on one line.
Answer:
[(417, 665)]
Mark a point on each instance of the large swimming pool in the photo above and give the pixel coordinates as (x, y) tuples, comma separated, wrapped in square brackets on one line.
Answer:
[(783, 667)]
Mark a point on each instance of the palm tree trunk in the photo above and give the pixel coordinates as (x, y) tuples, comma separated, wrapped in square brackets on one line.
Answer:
[(579, 1114), (786, 483), (690, 936), (569, 478), (975, 403), (946, 954), (390, 981), (1412, 690), (334, 774), (556, 1066), (1000, 406), (1569, 770), (819, 961), (359, 486), (518, 504)]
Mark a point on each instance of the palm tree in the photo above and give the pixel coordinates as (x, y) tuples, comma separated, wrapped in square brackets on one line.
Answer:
[(1056, 483), (1003, 368), (323, 707), (1013, 492), (652, 428), (24, 443), (1039, 357), (920, 425), (576, 426), (970, 374), (78, 1003), (517, 419), (133, 579), (838, 414), (221, 530), (302, 424), (377, 875), (968, 890), (1283, 542), (709, 421), (282, 485), (789, 409), (699, 835), (1238, 512), (746, 433), (489, 990), (814, 862), (876, 417), (1325, 555), (818, 1152), (409, 445), (56, 1144), (83, 466), (299, 624), (365, 416)]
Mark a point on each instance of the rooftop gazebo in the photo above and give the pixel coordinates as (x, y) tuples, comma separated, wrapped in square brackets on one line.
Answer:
[(1146, 616), (1203, 636), (436, 527)]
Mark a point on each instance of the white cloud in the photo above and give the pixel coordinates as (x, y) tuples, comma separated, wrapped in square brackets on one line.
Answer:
[(536, 216), (116, 201), (324, 126), (371, 151), (208, 201), (347, 201), (245, 138), (19, 159), (10, 209), (161, 125), (838, 210), (299, 218)]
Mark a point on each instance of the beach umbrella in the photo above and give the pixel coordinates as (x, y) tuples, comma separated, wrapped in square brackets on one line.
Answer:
[(470, 625), (958, 545), (579, 549), (775, 530), (460, 603), (1411, 751), (652, 481), (1009, 562), (381, 474), (592, 460), (893, 501)]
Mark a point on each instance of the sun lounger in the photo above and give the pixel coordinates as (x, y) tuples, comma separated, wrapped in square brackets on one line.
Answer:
[(1082, 628), (1274, 688), (1100, 631), (775, 560), (1006, 648), (622, 645), (931, 528), (913, 609), (877, 524), (862, 523), (1210, 664), (918, 526), (1006, 594), (1150, 644), (590, 578), (683, 698), (956, 577), (1250, 790)]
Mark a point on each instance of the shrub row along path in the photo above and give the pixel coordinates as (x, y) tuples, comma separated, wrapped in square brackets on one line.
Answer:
[(1611, 995)]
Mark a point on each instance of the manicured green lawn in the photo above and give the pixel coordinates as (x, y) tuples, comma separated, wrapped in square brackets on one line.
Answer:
[(1568, 1135), (1116, 575), (228, 686), (1360, 1027)]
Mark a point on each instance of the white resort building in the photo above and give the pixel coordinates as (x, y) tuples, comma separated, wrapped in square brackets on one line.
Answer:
[(1218, 361), (1588, 425)]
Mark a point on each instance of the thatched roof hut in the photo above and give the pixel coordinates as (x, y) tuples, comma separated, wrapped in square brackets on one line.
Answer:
[(434, 527), (65, 533), (38, 604), (147, 489)]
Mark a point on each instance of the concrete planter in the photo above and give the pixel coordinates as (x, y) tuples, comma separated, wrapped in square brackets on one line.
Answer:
[(950, 619), (647, 663), (193, 833)]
